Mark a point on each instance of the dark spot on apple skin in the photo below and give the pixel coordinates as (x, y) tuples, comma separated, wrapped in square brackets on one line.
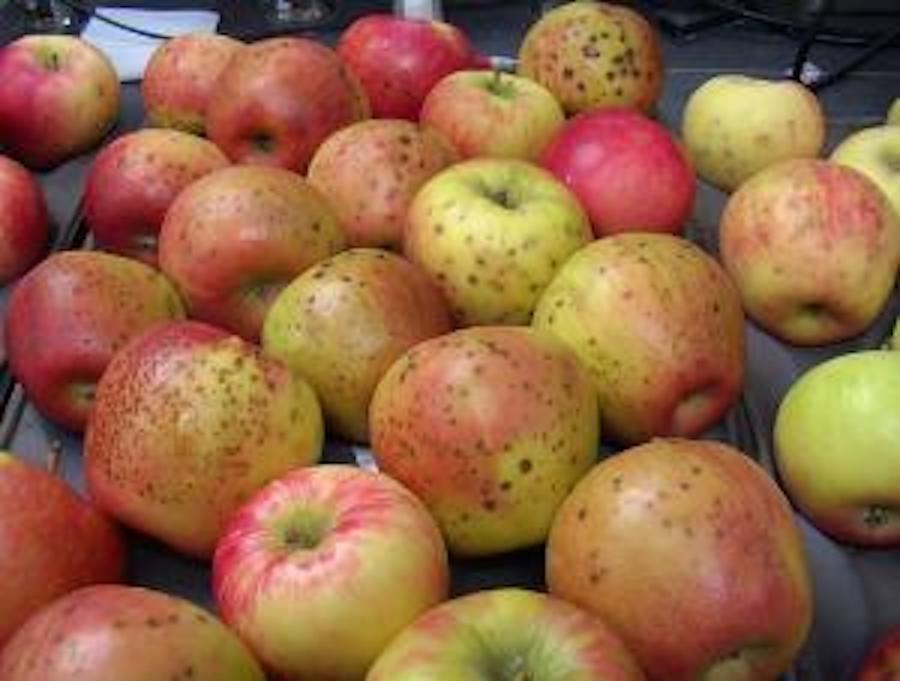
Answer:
[(582, 513)]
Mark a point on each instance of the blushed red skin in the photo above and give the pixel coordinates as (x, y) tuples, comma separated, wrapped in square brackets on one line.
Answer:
[(233, 239), (371, 170), (882, 661), (134, 180), (627, 171), (181, 77), (399, 60), (49, 116), (293, 92), (52, 542), (299, 609), (110, 633), (23, 220), (67, 318), (689, 551)]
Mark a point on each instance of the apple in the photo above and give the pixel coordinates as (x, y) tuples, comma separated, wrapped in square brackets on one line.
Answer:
[(491, 427), (875, 152), (689, 551), (734, 126), (24, 224), (189, 421), (399, 60), (659, 327), (506, 634), (234, 238), (627, 171), (492, 233), (814, 249), (52, 542), (343, 322), (893, 114), (492, 114), (371, 170), (181, 78), (837, 446), (277, 102), (111, 633), (133, 181), (594, 55), (322, 568), (59, 96), (69, 315), (882, 660)]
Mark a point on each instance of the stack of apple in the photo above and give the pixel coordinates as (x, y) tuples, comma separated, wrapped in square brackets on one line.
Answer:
[(479, 282)]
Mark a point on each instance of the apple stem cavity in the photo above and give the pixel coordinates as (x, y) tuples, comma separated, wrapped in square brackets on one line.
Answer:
[(303, 532), (876, 516), (499, 86)]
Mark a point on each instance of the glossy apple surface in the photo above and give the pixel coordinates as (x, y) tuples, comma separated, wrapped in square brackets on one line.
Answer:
[(23, 220), (875, 152)]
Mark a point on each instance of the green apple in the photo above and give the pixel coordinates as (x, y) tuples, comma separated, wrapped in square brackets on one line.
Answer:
[(893, 114), (492, 233), (735, 125), (492, 114), (837, 440), (509, 634), (875, 152)]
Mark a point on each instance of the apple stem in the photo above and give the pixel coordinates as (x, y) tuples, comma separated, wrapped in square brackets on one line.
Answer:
[(54, 459)]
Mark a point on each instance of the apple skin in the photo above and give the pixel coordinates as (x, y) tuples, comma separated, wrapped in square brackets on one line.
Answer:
[(343, 322), (58, 97), (491, 427), (594, 55), (492, 233), (111, 633), (627, 171), (133, 181), (233, 239), (69, 315), (371, 170), (814, 249), (189, 422), (492, 114), (690, 552), (279, 101), (673, 361), (517, 634), (836, 441), (399, 60), (882, 661), (893, 114), (734, 126), (52, 542), (181, 77), (313, 552), (24, 227), (875, 152)]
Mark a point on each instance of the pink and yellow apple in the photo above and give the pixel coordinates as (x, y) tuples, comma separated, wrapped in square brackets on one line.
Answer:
[(23, 220)]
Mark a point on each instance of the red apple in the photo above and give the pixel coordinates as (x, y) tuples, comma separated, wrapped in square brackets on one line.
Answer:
[(113, 633), (491, 114), (133, 181), (322, 568), (233, 239), (690, 552), (58, 97), (882, 661), (52, 542), (181, 78), (69, 315), (399, 60), (23, 220), (280, 99), (491, 427), (189, 422), (371, 171), (626, 169)]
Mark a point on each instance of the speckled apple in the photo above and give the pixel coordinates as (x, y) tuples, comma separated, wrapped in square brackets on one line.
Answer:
[(659, 327), (342, 323), (110, 633), (690, 552), (322, 568), (491, 427), (189, 421), (133, 181), (24, 227), (69, 315)]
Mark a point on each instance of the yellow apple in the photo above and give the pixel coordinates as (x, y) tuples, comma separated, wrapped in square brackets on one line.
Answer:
[(875, 152)]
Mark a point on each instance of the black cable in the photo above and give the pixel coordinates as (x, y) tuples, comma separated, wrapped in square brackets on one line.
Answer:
[(815, 28), (865, 55), (89, 12)]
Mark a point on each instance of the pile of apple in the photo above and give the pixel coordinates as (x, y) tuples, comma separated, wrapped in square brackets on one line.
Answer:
[(478, 274)]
